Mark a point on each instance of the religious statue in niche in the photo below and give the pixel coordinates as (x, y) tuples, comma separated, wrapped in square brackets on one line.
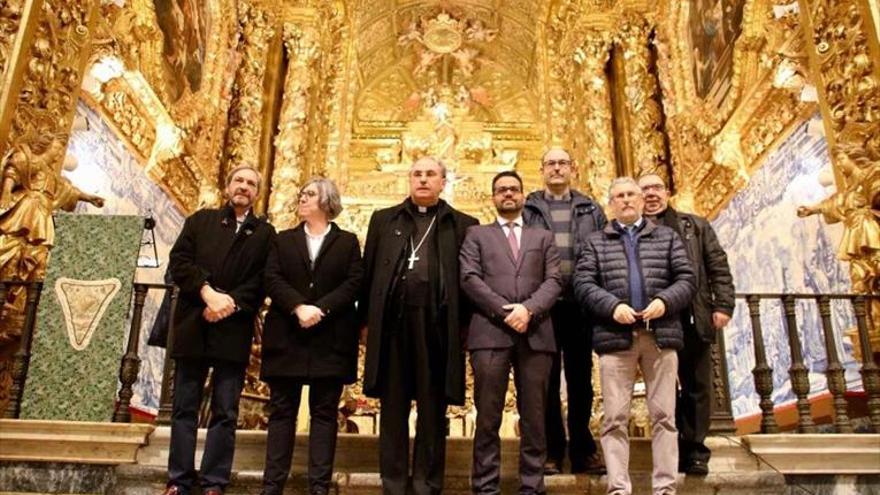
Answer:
[(32, 188)]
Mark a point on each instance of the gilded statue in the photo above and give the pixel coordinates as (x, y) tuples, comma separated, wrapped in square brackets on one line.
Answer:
[(32, 188), (857, 205)]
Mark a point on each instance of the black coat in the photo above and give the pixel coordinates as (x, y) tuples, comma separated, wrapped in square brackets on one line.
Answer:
[(715, 289), (384, 251), (328, 349), (209, 250), (601, 283)]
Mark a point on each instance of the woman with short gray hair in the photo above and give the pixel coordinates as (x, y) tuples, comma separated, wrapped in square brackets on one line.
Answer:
[(313, 275)]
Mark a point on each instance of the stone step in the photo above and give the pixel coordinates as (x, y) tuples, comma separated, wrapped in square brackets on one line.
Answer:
[(144, 480), (357, 453)]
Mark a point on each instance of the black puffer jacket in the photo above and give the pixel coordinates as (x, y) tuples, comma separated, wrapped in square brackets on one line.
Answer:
[(601, 283), (715, 289)]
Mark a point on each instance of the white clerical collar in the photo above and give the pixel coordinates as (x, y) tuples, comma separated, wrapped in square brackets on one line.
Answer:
[(517, 222)]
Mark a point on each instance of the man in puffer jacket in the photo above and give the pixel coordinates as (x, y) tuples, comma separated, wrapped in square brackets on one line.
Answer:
[(635, 277)]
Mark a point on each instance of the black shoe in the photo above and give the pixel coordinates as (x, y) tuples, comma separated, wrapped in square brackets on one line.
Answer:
[(551, 468), (696, 468), (592, 465)]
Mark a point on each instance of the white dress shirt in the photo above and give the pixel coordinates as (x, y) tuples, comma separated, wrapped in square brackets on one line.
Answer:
[(314, 241), (517, 228)]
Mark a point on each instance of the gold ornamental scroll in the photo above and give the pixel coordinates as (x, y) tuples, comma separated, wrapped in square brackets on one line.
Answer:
[(245, 113), (843, 55), (599, 165), (16, 36), (292, 138), (641, 96)]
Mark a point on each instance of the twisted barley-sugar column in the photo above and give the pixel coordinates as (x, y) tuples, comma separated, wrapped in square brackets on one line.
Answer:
[(600, 166), (245, 112), (640, 91), (291, 140)]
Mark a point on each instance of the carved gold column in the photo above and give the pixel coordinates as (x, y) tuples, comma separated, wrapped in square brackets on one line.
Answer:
[(16, 35), (292, 138), (843, 55), (640, 91), (599, 161), (245, 113)]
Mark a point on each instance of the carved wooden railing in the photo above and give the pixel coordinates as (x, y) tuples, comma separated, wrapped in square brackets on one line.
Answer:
[(763, 373), (22, 358)]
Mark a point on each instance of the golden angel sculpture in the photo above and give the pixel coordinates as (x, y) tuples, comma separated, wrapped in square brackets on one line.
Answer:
[(857, 205), (32, 188)]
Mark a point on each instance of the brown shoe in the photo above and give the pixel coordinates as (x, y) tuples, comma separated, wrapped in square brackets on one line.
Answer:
[(172, 490), (594, 465), (552, 468), (213, 491)]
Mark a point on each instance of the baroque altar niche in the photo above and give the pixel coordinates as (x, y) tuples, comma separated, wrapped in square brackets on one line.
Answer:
[(444, 88)]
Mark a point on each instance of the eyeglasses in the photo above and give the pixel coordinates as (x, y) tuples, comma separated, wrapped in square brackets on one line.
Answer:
[(557, 163), (653, 187), (506, 189), (308, 193)]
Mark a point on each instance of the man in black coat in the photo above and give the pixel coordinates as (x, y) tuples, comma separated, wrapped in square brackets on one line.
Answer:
[(414, 312), (708, 313), (217, 262), (571, 216), (635, 277)]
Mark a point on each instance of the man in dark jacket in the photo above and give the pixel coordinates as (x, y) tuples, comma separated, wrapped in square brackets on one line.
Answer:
[(708, 313), (414, 312), (571, 217), (217, 262), (636, 278)]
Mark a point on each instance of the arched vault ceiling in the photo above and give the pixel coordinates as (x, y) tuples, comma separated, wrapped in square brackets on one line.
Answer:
[(504, 68)]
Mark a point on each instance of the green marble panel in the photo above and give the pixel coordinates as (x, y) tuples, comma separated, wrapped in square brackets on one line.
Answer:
[(73, 375)]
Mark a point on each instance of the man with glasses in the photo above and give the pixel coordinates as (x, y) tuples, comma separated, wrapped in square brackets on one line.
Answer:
[(414, 312), (708, 313), (511, 274), (636, 279), (571, 216)]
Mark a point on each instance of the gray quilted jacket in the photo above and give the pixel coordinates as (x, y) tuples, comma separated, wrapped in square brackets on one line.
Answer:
[(601, 283)]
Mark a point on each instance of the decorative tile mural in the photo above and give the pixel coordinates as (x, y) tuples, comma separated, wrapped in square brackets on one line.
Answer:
[(105, 167), (770, 249)]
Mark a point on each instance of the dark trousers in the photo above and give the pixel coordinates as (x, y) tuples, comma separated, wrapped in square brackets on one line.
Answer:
[(189, 382), (694, 405), (491, 371), (284, 404), (411, 370), (574, 341)]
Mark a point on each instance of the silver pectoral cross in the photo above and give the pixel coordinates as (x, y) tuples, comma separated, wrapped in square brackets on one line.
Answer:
[(412, 260)]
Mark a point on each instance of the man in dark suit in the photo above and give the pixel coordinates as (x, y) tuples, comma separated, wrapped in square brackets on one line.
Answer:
[(414, 313), (708, 314), (511, 274), (217, 262)]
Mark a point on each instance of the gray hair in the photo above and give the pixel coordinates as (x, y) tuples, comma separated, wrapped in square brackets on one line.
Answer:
[(434, 159), (556, 148), (328, 196), (245, 166), (622, 180)]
